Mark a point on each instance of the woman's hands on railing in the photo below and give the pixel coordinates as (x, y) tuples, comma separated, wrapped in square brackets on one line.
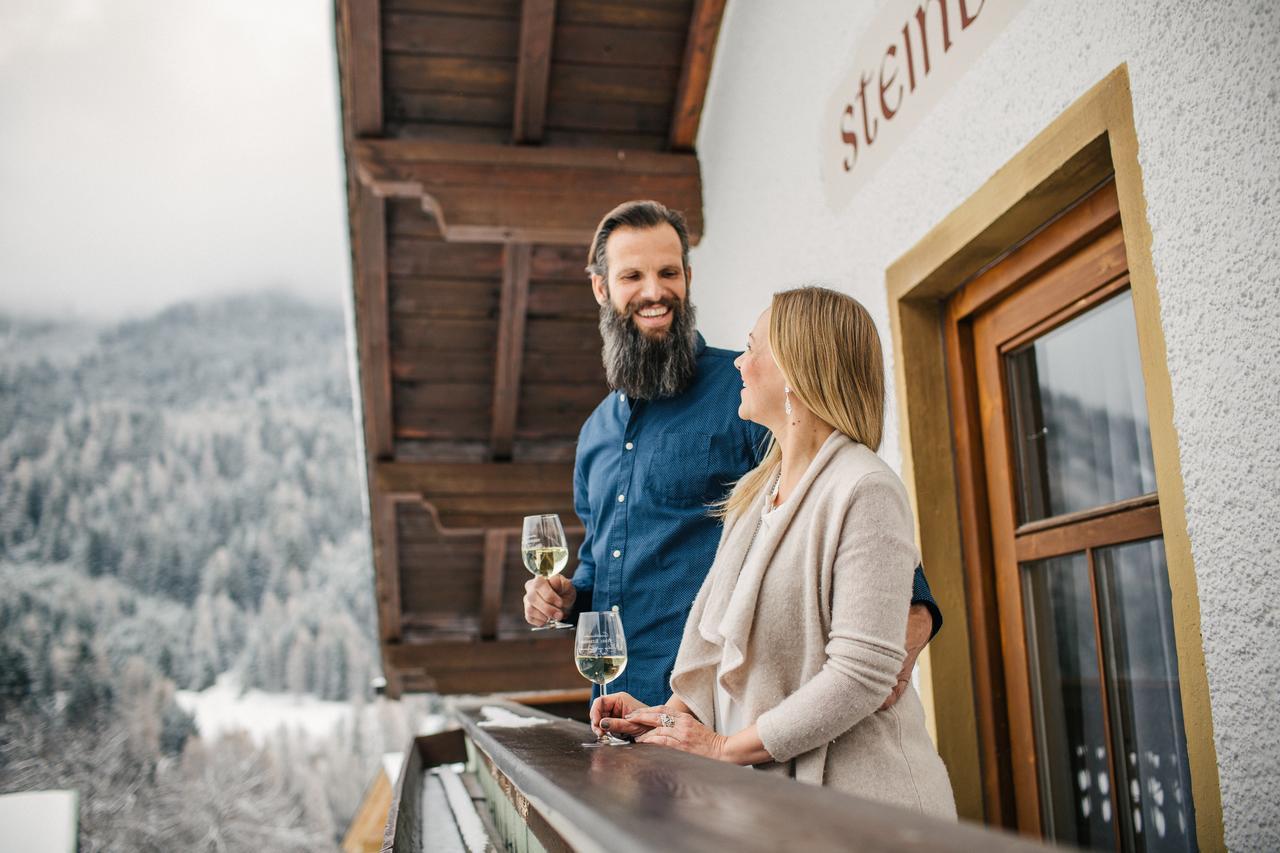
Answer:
[(684, 733), (623, 714), (608, 714)]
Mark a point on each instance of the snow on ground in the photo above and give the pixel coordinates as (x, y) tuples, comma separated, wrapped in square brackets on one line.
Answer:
[(225, 708), (39, 821)]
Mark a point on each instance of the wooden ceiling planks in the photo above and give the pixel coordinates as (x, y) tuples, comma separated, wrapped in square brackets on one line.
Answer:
[(484, 139), (668, 15), (435, 34)]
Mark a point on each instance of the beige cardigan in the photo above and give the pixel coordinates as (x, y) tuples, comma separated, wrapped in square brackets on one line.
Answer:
[(815, 641)]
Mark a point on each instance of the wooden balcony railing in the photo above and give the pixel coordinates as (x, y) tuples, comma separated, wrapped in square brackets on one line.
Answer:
[(535, 788)]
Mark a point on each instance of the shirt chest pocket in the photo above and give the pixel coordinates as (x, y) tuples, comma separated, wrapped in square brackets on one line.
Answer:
[(678, 468)]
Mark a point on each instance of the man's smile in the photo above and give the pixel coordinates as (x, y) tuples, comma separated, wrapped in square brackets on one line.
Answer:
[(653, 316)]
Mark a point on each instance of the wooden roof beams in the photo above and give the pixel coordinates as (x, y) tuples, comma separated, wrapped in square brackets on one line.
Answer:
[(513, 310), (503, 193), (360, 57), (487, 666), (484, 139), (475, 496), (533, 69), (691, 91)]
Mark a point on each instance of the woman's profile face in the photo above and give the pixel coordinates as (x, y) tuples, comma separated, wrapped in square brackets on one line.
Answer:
[(762, 382)]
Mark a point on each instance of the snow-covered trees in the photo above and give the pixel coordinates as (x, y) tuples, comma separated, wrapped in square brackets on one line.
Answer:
[(207, 457), (179, 497)]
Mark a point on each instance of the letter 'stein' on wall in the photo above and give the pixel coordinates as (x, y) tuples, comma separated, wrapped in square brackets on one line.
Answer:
[(932, 42)]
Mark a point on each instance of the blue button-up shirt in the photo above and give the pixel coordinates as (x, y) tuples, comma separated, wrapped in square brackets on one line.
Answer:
[(644, 475)]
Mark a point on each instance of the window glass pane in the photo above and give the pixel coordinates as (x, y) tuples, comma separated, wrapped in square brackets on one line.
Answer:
[(1142, 664), (1071, 738), (1079, 412)]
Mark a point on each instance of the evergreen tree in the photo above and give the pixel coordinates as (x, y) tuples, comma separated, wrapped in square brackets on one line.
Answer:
[(15, 674)]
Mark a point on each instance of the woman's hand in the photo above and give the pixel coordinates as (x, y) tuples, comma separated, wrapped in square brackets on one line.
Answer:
[(608, 713), (686, 735)]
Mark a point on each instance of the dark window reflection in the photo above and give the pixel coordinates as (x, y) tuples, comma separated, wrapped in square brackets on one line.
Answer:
[(1142, 664), (1080, 415), (1075, 780)]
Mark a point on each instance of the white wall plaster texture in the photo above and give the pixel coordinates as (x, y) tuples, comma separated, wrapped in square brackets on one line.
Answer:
[(1206, 94)]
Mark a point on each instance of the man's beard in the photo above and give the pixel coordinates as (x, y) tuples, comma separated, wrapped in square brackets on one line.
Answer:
[(649, 368)]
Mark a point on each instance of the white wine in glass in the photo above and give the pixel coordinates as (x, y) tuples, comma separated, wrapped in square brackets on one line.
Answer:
[(545, 554), (600, 650), (601, 669)]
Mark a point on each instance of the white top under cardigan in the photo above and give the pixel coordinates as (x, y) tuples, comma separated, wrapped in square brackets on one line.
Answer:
[(807, 636)]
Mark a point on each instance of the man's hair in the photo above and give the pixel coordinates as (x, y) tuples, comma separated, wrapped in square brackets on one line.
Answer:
[(635, 214)]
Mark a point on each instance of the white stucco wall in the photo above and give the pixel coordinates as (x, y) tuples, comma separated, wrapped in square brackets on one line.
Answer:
[(1206, 93)]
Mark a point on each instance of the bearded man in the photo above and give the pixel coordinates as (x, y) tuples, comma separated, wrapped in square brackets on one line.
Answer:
[(664, 444)]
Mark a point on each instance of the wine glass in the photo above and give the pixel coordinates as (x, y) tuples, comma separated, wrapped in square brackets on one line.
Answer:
[(600, 650), (544, 552)]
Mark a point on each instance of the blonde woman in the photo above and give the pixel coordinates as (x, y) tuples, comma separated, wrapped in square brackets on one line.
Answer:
[(796, 636)]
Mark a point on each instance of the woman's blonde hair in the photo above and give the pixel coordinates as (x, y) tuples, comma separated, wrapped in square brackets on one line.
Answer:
[(828, 349)]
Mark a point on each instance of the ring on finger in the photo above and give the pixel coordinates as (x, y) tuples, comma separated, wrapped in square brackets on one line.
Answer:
[(667, 720)]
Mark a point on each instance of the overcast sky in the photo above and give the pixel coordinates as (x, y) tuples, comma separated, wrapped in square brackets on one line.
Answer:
[(157, 150)]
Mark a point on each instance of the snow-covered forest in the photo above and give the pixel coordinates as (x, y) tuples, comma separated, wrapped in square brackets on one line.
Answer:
[(179, 499)]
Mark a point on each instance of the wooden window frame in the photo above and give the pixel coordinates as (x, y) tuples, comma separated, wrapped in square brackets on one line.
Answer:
[(960, 672), (1072, 265)]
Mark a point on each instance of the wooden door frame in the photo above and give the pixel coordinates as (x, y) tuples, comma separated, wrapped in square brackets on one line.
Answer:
[(1066, 270), (1093, 138)]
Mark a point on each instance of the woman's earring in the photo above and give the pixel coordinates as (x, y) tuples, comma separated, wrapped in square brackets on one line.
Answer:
[(787, 397)]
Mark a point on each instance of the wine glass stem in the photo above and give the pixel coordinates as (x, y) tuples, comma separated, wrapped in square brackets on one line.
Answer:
[(604, 691)]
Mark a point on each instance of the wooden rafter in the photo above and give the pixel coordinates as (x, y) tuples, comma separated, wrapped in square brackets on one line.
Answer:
[(369, 259), (477, 496), (495, 557), (503, 193), (533, 71), (360, 56), (699, 53), (386, 555), (512, 310), (483, 667), (360, 52), (411, 479)]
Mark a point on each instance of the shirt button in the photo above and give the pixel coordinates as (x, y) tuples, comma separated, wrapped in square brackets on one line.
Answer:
[(617, 553), (630, 446), (622, 398), (621, 498)]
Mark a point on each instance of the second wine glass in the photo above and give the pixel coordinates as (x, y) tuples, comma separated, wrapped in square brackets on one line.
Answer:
[(600, 650), (545, 554)]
